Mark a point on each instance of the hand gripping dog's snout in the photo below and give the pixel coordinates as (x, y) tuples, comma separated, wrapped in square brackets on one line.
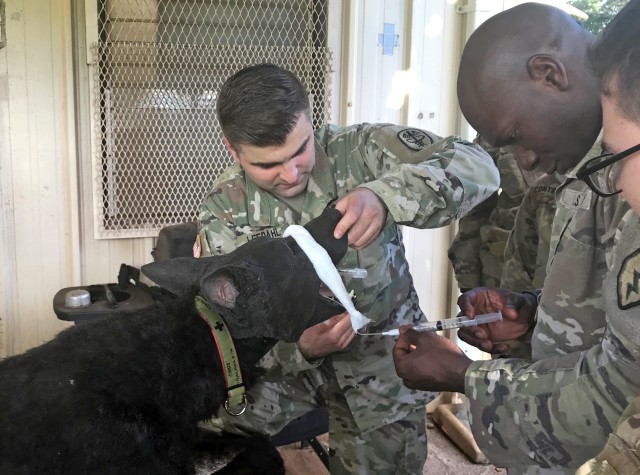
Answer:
[(321, 229), (325, 269)]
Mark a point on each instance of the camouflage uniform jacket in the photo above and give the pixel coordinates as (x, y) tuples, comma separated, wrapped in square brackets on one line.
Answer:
[(527, 248), (557, 410), (621, 454), (490, 228), (486, 228), (423, 182)]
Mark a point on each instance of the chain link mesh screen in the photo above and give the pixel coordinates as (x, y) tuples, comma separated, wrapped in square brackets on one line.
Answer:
[(158, 67)]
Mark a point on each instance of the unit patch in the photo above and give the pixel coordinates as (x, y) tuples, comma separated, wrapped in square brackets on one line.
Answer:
[(629, 281), (415, 139), (574, 199)]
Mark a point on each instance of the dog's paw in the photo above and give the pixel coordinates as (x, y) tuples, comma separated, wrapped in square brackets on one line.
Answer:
[(258, 457)]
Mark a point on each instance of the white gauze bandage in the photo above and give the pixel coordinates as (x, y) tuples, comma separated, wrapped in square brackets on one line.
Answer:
[(326, 271)]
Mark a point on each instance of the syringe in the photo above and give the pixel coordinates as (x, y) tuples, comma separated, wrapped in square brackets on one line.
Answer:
[(355, 273), (449, 323)]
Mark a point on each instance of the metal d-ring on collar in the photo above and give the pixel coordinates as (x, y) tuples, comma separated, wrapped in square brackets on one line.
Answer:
[(228, 357)]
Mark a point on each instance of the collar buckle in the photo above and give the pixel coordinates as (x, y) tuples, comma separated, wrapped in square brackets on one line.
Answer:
[(243, 406)]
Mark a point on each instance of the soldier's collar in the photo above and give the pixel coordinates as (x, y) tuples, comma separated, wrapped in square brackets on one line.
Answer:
[(594, 151)]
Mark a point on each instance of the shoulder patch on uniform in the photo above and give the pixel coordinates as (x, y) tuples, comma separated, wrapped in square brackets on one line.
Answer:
[(415, 139), (629, 281)]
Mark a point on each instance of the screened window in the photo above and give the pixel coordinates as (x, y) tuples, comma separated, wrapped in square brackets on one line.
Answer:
[(159, 65)]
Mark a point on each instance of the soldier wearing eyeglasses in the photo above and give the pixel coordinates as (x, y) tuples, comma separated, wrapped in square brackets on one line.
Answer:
[(524, 81), (616, 59)]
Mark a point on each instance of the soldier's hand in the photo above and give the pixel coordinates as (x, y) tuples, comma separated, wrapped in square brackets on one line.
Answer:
[(429, 362), (363, 216), (518, 311), (327, 337)]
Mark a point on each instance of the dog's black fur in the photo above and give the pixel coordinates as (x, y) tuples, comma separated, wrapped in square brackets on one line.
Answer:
[(124, 395)]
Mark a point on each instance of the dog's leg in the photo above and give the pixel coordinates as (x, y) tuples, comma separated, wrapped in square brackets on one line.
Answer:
[(251, 455)]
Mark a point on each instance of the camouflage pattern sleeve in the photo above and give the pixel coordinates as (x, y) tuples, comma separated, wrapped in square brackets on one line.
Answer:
[(513, 183), (430, 183), (220, 211), (477, 253), (527, 249), (621, 454), (463, 252), (554, 412)]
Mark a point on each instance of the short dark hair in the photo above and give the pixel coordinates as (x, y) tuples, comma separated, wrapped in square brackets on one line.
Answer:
[(616, 54), (260, 105)]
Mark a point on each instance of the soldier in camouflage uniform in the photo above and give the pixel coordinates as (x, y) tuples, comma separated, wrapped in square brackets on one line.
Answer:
[(527, 248), (621, 454), (550, 415), (615, 58), (486, 228), (511, 230), (379, 176)]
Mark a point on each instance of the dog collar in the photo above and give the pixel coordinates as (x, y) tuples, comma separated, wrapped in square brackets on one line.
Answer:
[(228, 357)]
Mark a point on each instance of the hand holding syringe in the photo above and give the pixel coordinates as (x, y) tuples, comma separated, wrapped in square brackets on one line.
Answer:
[(449, 323), (438, 325)]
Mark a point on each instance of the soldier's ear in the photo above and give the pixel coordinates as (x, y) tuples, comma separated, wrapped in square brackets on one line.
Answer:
[(231, 148), (548, 70)]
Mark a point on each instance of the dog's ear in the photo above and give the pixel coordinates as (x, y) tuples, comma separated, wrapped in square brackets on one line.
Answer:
[(179, 275), (220, 289)]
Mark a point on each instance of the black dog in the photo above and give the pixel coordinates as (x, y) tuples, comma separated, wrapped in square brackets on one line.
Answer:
[(124, 395)]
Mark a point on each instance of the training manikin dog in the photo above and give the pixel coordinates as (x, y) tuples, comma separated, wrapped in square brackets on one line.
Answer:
[(124, 395)]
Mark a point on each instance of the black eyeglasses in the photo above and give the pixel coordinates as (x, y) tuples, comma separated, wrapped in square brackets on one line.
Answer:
[(604, 184)]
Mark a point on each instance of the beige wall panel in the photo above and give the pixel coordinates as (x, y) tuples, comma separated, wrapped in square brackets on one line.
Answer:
[(7, 238), (41, 152), (47, 228)]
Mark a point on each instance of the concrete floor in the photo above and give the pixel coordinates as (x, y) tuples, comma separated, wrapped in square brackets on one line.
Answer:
[(444, 458)]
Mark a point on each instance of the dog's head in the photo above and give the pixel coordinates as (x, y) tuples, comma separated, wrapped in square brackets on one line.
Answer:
[(265, 288)]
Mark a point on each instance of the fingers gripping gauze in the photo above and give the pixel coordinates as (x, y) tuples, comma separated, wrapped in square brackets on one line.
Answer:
[(326, 271)]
